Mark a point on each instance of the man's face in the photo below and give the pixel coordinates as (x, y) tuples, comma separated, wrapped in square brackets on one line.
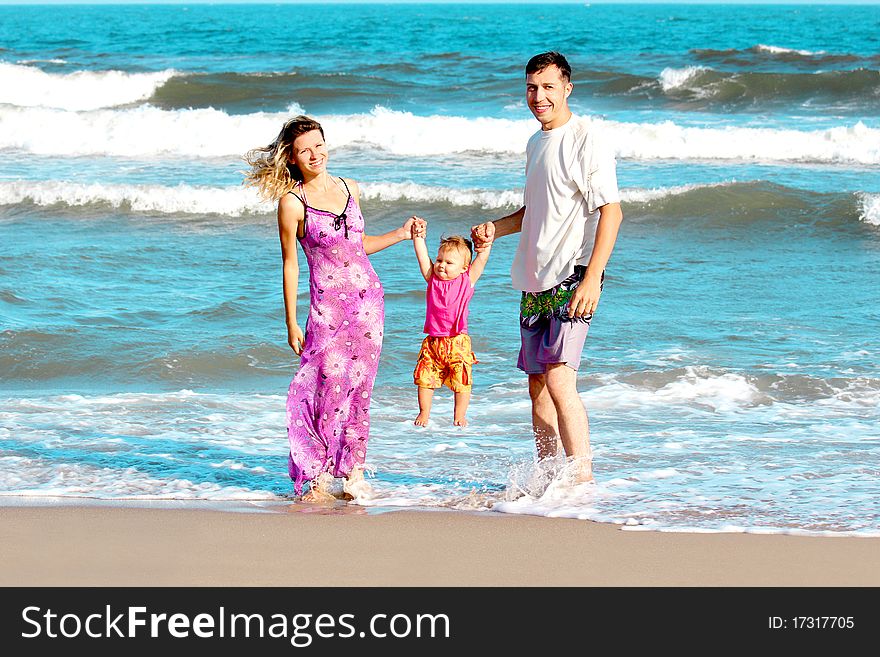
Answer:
[(547, 95)]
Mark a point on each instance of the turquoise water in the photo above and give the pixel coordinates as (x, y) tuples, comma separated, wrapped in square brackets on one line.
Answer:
[(731, 374)]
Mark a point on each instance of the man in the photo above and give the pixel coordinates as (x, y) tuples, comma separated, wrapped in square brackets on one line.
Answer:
[(568, 228)]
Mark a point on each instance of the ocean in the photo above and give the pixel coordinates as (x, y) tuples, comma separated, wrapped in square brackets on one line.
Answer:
[(731, 373)]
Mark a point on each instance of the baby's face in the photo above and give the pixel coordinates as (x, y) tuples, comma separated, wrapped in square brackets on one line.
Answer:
[(450, 263)]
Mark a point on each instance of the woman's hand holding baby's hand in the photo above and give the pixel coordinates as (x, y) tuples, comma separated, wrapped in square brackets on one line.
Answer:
[(412, 228), (415, 227), (405, 232)]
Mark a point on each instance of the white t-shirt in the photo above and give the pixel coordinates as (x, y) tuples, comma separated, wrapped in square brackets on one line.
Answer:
[(570, 174)]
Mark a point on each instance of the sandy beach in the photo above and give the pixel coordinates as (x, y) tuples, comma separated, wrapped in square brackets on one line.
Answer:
[(304, 546)]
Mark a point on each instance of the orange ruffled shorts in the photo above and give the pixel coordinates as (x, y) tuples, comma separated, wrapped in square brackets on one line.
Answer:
[(445, 361)]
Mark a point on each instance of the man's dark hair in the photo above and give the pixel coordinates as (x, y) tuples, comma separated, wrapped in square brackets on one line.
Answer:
[(539, 62)]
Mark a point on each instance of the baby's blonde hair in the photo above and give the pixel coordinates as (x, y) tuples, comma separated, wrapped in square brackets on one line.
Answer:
[(460, 243)]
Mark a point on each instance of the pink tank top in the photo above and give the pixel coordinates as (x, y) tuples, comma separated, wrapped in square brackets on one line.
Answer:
[(447, 303)]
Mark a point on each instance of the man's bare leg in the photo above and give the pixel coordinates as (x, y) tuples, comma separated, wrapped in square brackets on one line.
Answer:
[(574, 426), (545, 424)]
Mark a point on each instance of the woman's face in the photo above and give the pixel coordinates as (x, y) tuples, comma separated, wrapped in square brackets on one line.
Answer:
[(310, 153)]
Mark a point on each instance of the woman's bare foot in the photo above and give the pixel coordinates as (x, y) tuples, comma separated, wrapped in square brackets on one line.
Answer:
[(317, 497), (319, 491), (422, 419), (355, 486), (460, 422)]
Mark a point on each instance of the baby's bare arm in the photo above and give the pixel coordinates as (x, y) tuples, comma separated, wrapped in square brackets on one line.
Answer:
[(426, 266), (479, 263)]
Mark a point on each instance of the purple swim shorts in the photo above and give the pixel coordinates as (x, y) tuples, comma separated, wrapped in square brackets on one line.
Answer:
[(548, 335), (551, 341)]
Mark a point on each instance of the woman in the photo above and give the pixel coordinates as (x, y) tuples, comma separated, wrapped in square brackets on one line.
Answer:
[(328, 403)]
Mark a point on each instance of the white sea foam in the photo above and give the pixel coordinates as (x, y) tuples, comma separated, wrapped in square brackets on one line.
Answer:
[(404, 133), (235, 201), (21, 476), (443, 447), (54, 60), (656, 193), (869, 208), (777, 50), (29, 86), (666, 140), (147, 131), (676, 78), (739, 469), (142, 131), (489, 199), (663, 473), (723, 392), (695, 387), (181, 199)]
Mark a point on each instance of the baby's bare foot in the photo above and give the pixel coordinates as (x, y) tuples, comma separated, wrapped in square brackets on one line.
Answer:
[(460, 422), (422, 419)]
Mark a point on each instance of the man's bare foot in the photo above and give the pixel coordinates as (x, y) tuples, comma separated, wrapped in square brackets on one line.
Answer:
[(460, 422), (422, 419), (580, 469)]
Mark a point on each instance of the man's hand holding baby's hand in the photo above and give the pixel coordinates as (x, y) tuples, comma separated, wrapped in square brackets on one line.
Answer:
[(419, 227), (483, 236)]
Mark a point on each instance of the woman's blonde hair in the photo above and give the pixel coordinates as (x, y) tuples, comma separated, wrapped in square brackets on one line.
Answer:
[(273, 171)]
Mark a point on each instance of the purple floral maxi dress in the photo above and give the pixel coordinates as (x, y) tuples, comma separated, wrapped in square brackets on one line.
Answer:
[(328, 403)]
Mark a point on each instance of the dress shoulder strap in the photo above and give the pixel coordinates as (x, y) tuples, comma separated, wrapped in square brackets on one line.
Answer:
[(300, 199), (345, 184)]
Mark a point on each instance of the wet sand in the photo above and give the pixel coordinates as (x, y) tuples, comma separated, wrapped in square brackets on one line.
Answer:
[(301, 545)]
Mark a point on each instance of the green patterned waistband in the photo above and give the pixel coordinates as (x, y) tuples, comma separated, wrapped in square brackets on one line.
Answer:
[(552, 303)]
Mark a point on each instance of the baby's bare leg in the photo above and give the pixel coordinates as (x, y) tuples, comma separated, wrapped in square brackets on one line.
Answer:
[(426, 396), (462, 399)]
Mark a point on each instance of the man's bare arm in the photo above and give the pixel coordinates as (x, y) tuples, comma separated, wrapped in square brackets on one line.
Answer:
[(486, 233), (586, 296)]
